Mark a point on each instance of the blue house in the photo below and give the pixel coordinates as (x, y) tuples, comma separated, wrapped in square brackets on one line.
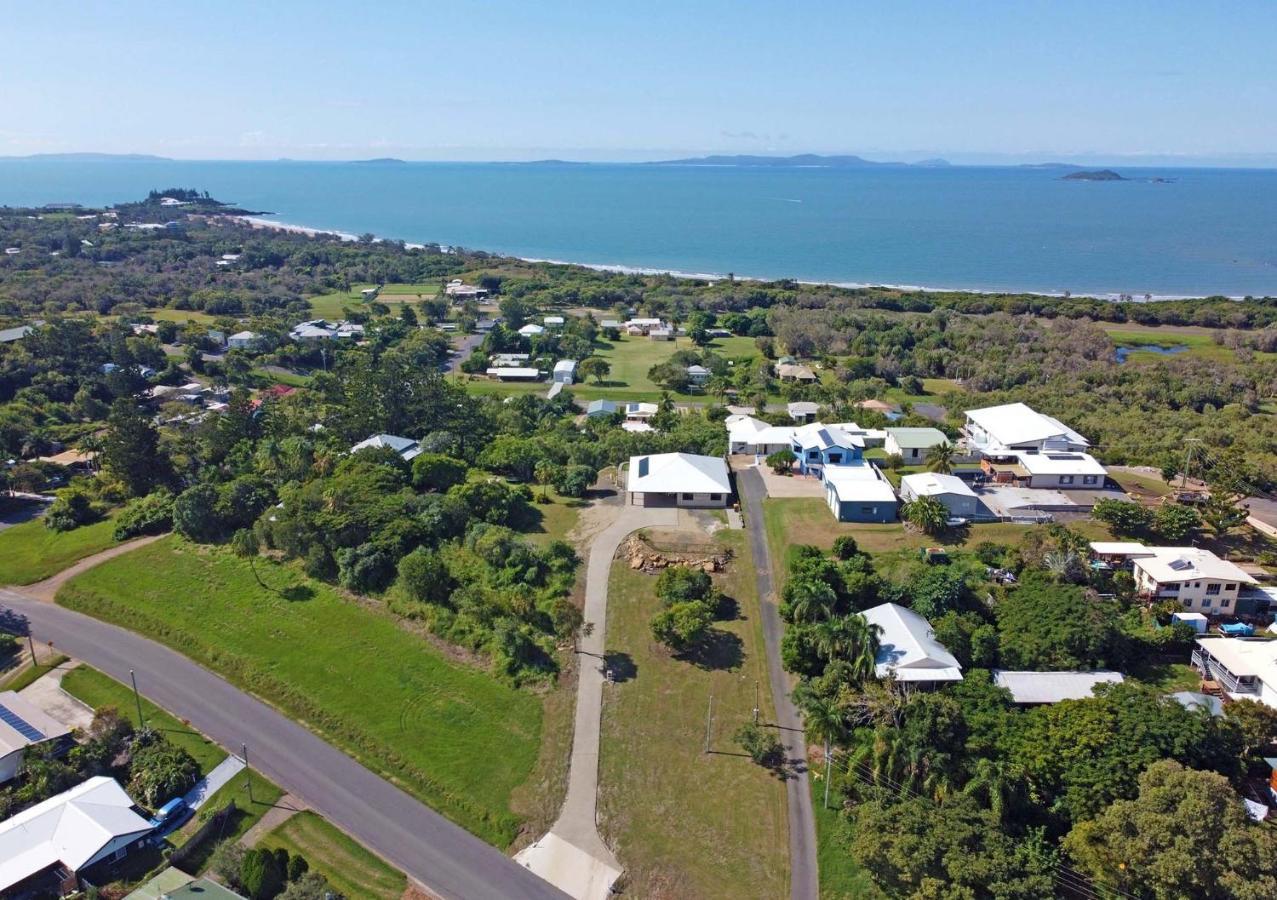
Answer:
[(859, 493), (817, 446)]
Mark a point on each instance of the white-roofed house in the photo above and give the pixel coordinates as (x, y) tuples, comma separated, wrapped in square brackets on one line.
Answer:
[(636, 411), (908, 649), (642, 326), (1061, 469), (1037, 688), (553, 321), (678, 479), (53, 843), (1197, 578), (698, 375), (796, 372), (859, 493), (565, 371), (407, 448), (817, 446), (514, 373), (1244, 667), (242, 340), (750, 435), (950, 491), (532, 329), (1015, 426), (23, 725)]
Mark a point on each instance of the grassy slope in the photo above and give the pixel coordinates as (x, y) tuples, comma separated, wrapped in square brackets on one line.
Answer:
[(30, 552), (350, 673), (688, 824), (349, 867), (329, 306)]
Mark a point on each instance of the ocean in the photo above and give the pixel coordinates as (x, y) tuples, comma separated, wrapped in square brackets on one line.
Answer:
[(1197, 231)]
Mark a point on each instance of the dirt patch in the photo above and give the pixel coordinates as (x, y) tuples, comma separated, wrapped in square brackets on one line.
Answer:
[(656, 550)]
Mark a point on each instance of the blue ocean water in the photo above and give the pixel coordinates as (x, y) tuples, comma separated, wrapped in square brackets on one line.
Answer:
[(1204, 231)]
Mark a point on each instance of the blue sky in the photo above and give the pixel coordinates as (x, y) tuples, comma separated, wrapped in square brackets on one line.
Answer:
[(528, 79)]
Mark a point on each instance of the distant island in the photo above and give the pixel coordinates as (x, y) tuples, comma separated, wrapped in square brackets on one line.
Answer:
[(380, 161), (1094, 175), (802, 160), (91, 157)]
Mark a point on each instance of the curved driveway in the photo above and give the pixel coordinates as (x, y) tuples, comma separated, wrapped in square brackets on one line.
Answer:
[(426, 846)]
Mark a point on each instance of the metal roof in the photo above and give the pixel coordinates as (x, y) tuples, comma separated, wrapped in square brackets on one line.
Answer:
[(907, 646), (1052, 687)]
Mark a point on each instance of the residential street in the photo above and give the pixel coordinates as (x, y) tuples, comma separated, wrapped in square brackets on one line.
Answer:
[(426, 846), (804, 878)]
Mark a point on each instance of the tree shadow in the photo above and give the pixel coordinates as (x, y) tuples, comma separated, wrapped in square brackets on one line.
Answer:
[(619, 668), (14, 622), (296, 593), (727, 609), (719, 651)]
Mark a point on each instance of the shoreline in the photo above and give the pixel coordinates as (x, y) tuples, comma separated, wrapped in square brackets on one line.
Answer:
[(1113, 297)]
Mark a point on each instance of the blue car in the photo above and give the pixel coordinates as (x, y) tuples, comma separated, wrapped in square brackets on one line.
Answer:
[(171, 815)]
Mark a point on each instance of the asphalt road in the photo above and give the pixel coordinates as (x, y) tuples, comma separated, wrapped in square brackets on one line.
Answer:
[(804, 875), (444, 857)]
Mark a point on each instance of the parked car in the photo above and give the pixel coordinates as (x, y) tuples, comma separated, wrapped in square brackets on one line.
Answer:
[(171, 815)]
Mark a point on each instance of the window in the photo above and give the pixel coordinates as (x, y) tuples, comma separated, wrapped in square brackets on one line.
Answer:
[(689, 496), (1230, 587), (813, 454), (716, 496), (1212, 588), (1206, 603), (867, 510), (1066, 479), (1090, 479), (1225, 603), (835, 458)]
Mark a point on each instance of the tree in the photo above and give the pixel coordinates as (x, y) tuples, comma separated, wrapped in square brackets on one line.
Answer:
[(260, 874), (423, 577), (927, 514), (845, 547), (160, 771), (937, 590), (782, 461), (823, 720), (1257, 723), (682, 584), (1124, 518), (763, 747), (1221, 512), (1043, 626), (682, 625), (72, 509), (244, 544), (195, 513), (437, 472), (131, 450), (940, 458), (851, 640), (1174, 522), (1152, 846), (595, 367), (309, 886)]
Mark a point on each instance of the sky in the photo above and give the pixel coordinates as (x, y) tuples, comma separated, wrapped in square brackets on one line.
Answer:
[(973, 82)]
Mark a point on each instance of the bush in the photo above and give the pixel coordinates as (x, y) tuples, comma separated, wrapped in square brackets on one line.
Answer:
[(681, 626), (845, 547), (680, 584), (364, 568), (152, 514), (574, 481), (195, 513), (782, 461), (8, 645), (763, 747), (260, 875), (297, 867), (423, 577), (438, 472), (160, 771), (72, 509), (1125, 519)]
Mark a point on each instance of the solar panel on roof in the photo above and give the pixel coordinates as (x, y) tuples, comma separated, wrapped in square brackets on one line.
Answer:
[(19, 724)]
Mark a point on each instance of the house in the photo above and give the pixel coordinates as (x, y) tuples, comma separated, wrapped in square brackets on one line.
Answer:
[(565, 371), (1056, 470), (881, 407), (635, 427), (661, 334), (817, 446), (1003, 430), (23, 725), (792, 372), (859, 493), (369, 294), (640, 412), (483, 326), (9, 335), (514, 373), (908, 649), (174, 884), (1038, 688), (47, 847), (71, 459), (749, 435), (407, 448), (913, 445), (698, 375), (678, 479), (1245, 668), (500, 360), (1197, 578), (950, 491), (1117, 554), (872, 437), (553, 321), (242, 340), (803, 411), (460, 292), (610, 325), (643, 326), (601, 408), (316, 330), (531, 329)]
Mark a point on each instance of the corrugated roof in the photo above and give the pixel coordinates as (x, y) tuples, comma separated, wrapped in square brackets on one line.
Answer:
[(1052, 687), (678, 473), (918, 438), (907, 647), (931, 484)]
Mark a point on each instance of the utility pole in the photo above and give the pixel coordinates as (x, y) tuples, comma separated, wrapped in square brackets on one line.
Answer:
[(248, 772), (141, 720), (31, 647), (755, 702), (709, 721), (1188, 461)]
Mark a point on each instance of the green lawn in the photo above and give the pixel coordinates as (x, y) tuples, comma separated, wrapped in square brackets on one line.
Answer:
[(349, 867), (841, 877), (454, 736), (181, 316), (1140, 485), (1168, 677), (26, 674), (685, 823), (30, 552), (554, 519), (330, 306), (97, 690), (251, 803)]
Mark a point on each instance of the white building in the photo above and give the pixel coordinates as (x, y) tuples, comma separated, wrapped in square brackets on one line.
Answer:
[(678, 479), (908, 649), (698, 375), (859, 493), (91, 823), (640, 326), (1197, 578), (1036, 688), (803, 411), (514, 373), (23, 725), (1244, 667), (531, 329), (913, 445), (640, 412), (954, 494), (1056, 470), (407, 448), (745, 434), (554, 321), (509, 359), (565, 371), (1015, 426), (242, 340)]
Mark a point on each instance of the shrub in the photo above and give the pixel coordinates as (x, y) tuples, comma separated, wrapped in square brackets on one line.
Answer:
[(1126, 519), (72, 509), (782, 461), (681, 626), (679, 584), (260, 875), (8, 645), (845, 547), (763, 747), (160, 770), (437, 472), (297, 867), (195, 513), (152, 514), (574, 481), (364, 568), (423, 577)]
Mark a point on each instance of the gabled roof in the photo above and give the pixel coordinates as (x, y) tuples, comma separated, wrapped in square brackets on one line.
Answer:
[(931, 484), (405, 447), (243, 336), (71, 828), (1016, 423), (1168, 564), (531, 328), (918, 438), (565, 365), (1060, 462), (803, 408), (594, 407), (859, 483), (907, 647), (818, 436), (678, 473), (697, 370), (1052, 687)]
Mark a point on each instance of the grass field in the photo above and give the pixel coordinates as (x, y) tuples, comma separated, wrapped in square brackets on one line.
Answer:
[(555, 519), (686, 823), (30, 552), (349, 868), (1197, 339), (841, 877), (329, 306), (181, 315), (351, 673)]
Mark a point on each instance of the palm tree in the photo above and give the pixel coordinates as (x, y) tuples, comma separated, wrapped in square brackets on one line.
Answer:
[(823, 720), (991, 781), (926, 514), (940, 459), (852, 640), (91, 445), (811, 601)]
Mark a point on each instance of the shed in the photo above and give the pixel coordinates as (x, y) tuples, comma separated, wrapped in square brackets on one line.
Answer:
[(859, 493), (565, 371), (913, 445), (949, 490), (1037, 688), (601, 408), (1198, 621)]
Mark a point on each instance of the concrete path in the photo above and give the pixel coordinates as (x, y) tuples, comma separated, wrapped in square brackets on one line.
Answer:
[(45, 590), (284, 809), (804, 877), (214, 781), (46, 693), (572, 855), (394, 825)]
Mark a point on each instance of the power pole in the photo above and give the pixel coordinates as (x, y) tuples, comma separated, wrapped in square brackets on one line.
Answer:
[(1188, 461), (141, 720), (248, 772), (709, 721)]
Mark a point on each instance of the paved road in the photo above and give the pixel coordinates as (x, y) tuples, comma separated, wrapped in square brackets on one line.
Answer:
[(463, 345), (804, 876), (441, 855)]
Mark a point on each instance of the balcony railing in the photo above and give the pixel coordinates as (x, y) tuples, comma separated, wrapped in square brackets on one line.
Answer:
[(1214, 671)]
